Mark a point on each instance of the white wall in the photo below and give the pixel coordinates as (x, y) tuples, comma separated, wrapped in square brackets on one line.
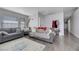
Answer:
[(41, 19), (49, 18), (33, 22), (61, 24), (66, 16), (69, 25), (75, 23)]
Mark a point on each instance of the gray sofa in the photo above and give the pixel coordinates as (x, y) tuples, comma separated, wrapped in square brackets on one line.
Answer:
[(12, 34), (48, 37)]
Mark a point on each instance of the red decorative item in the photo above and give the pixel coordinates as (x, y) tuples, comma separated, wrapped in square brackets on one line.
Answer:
[(44, 28), (54, 24)]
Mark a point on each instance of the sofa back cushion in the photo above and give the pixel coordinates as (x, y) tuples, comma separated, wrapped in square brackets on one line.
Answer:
[(9, 30), (13, 30), (42, 30)]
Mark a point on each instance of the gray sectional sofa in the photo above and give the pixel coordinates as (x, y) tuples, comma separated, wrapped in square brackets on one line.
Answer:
[(12, 34)]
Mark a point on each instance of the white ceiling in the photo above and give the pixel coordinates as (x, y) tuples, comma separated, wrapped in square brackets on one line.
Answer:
[(46, 10), (51, 10)]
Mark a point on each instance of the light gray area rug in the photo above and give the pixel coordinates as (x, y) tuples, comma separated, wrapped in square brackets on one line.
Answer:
[(22, 44)]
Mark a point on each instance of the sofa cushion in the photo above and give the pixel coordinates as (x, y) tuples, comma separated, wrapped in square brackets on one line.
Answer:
[(13, 30), (9, 30), (39, 35), (40, 30), (12, 36), (6, 29)]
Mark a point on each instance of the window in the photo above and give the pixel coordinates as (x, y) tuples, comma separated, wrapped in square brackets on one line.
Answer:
[(9, 22)]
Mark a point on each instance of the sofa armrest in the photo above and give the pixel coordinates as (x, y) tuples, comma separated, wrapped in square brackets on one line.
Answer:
[(52, 36)]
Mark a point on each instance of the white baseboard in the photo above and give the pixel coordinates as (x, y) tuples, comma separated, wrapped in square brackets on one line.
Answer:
[(75, 35)]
